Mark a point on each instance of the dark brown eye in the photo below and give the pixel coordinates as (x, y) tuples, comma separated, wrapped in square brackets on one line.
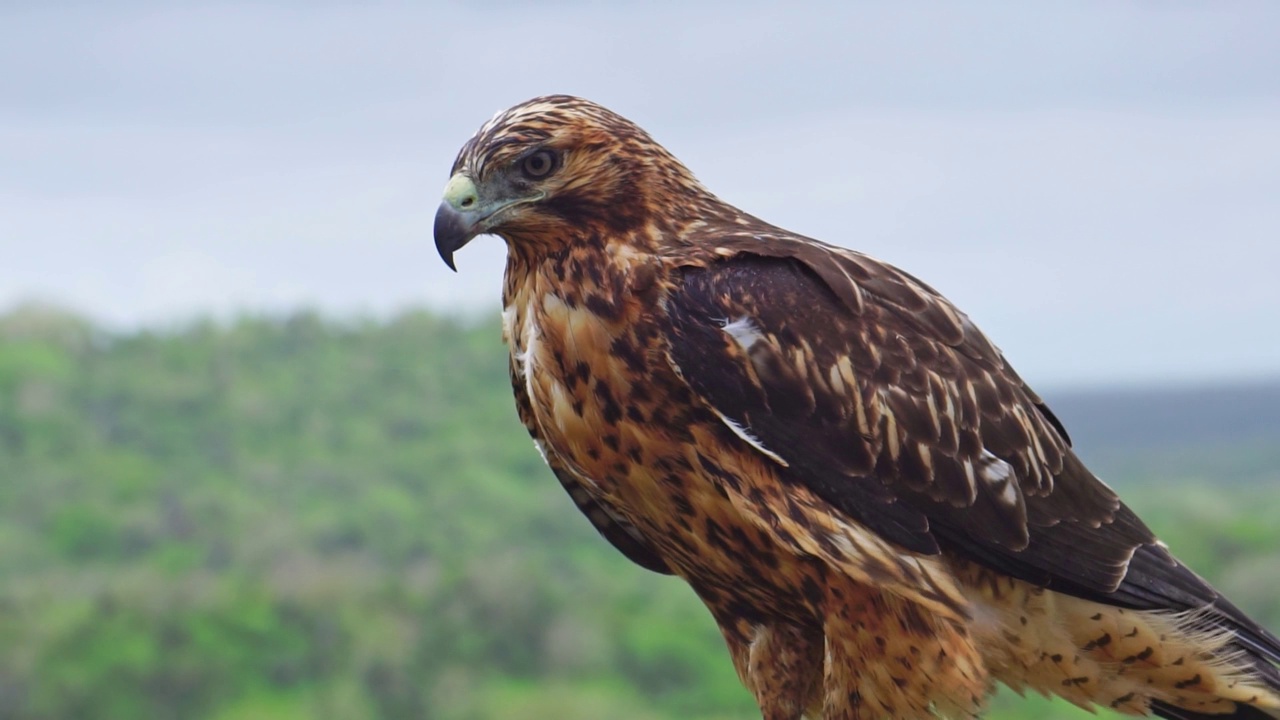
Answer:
[(539, 164)]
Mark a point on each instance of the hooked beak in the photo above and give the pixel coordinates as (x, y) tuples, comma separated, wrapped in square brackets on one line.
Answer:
[(458, 219)]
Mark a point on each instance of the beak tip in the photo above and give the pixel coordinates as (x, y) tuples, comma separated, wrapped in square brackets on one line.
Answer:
[(452, 231)]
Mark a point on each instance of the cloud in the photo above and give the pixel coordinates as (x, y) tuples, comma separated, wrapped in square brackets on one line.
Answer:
[(1093, 182)]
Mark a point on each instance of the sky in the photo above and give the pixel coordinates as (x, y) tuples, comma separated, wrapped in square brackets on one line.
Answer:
[(1097, 184)]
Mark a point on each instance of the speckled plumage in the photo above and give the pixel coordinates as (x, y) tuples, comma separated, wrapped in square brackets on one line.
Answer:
[(881, 516)]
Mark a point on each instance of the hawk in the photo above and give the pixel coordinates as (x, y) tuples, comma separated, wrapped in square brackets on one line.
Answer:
[(882, 517)]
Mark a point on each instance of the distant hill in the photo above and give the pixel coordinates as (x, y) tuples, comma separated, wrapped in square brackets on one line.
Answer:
[(300, 517), (1158, 417), (1223, 431)]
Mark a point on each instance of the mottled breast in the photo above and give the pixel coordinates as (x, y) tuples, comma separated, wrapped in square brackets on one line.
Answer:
[(606, 403)]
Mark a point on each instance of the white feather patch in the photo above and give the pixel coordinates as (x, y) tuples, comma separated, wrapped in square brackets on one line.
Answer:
[(750, 439), (843, 544), (509, 323), (744, 332), (542, 450), (529, 345), (998, 475)]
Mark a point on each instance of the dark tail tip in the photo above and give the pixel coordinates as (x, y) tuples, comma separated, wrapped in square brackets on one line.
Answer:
[(1243, 712)]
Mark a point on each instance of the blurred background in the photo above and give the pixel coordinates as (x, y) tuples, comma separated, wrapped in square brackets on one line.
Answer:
[(258, 456)]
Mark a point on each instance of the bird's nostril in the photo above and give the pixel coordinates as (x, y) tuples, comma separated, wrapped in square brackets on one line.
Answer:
[(468, 202)]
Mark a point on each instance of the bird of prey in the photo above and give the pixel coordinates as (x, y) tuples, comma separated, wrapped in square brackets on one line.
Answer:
[(882, 517)]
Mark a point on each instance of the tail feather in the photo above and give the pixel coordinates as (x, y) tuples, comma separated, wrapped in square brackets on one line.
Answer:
[(1250, 647), (1189, 662), (1192, 664)]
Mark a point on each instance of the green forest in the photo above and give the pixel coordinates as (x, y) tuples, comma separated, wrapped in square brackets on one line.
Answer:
[(304, 517)]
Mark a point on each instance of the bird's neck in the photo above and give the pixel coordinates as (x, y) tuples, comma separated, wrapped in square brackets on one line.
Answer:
[(615, 277)]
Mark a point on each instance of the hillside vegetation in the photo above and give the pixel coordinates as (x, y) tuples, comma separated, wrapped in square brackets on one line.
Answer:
[(302, 518)]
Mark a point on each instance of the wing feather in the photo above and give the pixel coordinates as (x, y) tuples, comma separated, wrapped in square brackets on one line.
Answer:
[(889, 404)]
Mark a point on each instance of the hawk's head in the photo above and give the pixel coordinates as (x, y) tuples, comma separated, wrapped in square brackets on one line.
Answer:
[(554, 169)]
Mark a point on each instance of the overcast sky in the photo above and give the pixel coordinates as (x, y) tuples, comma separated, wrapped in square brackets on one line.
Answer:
[(1096, 183)]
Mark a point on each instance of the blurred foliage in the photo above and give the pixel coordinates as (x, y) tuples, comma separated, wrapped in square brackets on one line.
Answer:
[(281, 518)]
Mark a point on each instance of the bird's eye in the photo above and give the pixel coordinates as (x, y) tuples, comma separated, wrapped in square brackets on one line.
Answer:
[(539, 164)]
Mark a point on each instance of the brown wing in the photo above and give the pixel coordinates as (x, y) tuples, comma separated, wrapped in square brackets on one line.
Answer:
[(889, 403)]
